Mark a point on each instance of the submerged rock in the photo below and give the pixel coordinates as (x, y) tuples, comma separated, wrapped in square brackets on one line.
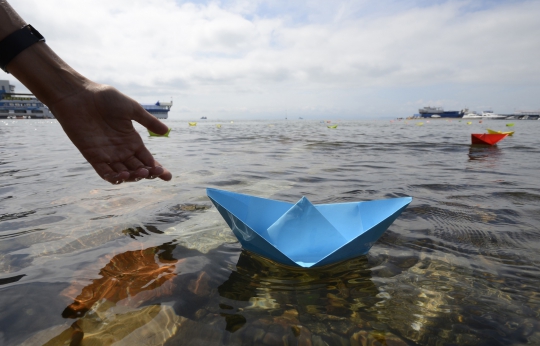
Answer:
[(150, 325)]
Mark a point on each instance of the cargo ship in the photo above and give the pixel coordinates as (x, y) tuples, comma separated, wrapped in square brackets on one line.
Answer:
[(439, 112)]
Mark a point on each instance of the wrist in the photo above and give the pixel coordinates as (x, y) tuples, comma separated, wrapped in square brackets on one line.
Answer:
[(46, 75)]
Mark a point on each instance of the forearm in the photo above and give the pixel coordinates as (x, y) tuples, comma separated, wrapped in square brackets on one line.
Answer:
[(45, 74), (38, 67), (9, 20)]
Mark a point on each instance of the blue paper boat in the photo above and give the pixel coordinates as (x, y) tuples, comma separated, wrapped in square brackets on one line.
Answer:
[(304, 234)]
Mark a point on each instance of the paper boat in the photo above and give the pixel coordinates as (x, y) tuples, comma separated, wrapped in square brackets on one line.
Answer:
[(156, 135), (303, 234), (332, 126), (510, 124), (487, 138), (192, 123), (510, 133)]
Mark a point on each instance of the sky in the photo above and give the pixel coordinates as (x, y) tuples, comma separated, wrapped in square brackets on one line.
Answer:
[(314, 59)]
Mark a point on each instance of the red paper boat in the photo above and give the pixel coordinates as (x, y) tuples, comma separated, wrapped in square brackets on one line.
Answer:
[(487, 138)]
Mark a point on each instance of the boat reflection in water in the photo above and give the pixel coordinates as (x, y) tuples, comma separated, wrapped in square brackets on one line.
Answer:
[(488, 153), (292, 298)]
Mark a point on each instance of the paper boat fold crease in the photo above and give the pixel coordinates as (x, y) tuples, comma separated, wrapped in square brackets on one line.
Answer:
[(304, 234)]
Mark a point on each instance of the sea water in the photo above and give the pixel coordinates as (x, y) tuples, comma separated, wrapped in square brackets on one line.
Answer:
[(154, 263)]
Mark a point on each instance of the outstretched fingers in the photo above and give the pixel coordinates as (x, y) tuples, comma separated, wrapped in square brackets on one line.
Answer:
[(117, 173), (133, 166), (154, 167), (132, 169), (160, 172), (106, 172)]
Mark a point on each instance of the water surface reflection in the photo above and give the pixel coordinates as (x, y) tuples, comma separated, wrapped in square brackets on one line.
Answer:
[(490, 153), (154, 263)]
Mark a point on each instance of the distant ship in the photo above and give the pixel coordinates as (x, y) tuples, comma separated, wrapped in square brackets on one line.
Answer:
[(484, 115), (20, 106), (26, 106), (438, 112), (160, 110)]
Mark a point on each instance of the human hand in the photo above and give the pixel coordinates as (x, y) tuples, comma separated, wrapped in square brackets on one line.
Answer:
[(98, 120)]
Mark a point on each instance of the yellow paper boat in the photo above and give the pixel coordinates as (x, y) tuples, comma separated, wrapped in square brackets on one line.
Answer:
[(510, 133), (152, 134), (469, 122), (419, 124), (192, 123), (332, 126), (510, 124), (218, 126)]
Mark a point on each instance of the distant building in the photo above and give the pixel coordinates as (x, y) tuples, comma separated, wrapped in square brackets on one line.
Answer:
[(20, 106)]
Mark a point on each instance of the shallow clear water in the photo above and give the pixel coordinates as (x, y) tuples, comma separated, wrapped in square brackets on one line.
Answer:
[(84, 262)]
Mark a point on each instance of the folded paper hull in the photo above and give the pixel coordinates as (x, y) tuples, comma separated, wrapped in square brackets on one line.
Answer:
[(510, 133), (304, 234), (487, 138), (152, 134)]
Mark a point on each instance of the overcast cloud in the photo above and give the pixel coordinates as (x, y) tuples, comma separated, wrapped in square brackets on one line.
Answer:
[(319, 59)]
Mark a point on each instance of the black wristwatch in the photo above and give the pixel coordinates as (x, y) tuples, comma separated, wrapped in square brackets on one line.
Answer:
[(16, 42)]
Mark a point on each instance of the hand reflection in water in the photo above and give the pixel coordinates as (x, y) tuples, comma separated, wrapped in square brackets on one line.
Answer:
[(129, 278)]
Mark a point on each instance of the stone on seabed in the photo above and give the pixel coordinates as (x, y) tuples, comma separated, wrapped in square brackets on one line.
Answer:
[(366, 338)]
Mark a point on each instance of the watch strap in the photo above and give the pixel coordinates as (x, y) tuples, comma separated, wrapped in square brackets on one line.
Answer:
[(16, 42)]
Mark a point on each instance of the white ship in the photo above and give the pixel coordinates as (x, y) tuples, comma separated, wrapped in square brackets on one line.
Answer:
[(484, 115), (20, 106), (160, 110)]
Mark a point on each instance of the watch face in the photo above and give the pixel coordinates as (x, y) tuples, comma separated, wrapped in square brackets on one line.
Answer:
[(35, 33)]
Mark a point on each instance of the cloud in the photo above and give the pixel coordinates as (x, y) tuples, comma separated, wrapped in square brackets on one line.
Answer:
[(261, 57)]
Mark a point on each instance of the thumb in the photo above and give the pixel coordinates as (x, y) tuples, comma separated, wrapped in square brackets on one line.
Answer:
[(149, 121)]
